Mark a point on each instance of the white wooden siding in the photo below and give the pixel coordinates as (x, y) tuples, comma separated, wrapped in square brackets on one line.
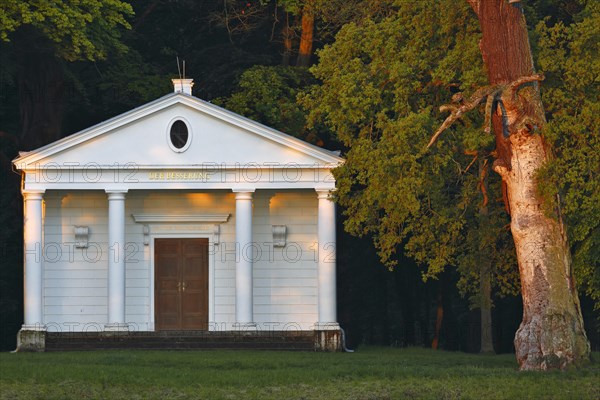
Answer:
[(75, 280)]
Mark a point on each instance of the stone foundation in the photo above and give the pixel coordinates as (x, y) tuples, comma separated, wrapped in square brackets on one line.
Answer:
[(328, 340), (31, 340)]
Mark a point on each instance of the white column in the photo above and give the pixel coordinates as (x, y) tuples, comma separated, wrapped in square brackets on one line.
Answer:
[(33, 261), (243, 269), (116, 260), (327, 262)]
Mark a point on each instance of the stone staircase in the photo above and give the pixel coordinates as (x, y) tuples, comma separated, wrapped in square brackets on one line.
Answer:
[(183, 340)]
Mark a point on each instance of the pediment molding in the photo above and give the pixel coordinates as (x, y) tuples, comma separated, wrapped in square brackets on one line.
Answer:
[(27, 159)]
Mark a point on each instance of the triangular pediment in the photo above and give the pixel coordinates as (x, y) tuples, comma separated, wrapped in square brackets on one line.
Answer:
[(141, 137)]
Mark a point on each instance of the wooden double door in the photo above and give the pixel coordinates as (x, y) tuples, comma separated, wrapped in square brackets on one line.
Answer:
[(181, 284)]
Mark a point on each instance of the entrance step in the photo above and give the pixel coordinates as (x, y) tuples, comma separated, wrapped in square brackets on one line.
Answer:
[(179, 340)]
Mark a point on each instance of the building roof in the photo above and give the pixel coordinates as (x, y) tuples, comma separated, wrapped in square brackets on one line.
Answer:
[(222, 122)]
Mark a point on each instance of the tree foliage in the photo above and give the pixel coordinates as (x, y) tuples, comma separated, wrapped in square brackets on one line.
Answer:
[(569, 56), (379, 83), (82, 29), (268, 95)]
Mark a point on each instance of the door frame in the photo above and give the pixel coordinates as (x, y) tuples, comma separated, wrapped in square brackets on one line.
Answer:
[(183, 234)]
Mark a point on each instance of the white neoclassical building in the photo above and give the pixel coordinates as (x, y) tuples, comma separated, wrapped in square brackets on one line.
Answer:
[(178, 215)]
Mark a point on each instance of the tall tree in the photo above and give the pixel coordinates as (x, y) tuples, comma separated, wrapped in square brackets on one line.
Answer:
[(551, 334), (44, 34), (378, 80)]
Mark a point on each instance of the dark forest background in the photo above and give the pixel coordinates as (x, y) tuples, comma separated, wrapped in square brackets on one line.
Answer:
[(45, 95)]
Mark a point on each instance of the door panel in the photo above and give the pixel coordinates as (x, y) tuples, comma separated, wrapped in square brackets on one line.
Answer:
[(195, 272), (181, 284)]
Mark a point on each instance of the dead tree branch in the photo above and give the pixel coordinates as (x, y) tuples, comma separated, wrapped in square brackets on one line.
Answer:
[(457, 111), (490, 94), (513, 87)]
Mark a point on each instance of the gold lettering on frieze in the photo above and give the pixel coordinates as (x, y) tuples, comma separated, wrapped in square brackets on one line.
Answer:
[(179, 176)]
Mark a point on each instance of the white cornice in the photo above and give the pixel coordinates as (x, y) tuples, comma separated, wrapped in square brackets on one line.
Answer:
[(179, 218), (204, 166)]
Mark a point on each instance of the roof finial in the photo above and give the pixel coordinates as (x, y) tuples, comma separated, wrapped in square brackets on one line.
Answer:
[(182, 85)]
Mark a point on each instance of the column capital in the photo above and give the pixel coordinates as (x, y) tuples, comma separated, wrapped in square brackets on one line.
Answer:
[(116, 194), (325, 193), (33, 194), (243, 194)]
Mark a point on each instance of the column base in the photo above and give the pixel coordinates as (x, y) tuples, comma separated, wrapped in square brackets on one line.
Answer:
[(33, 327), (116, 327), (31, 338), (326, 326), (245, 326)]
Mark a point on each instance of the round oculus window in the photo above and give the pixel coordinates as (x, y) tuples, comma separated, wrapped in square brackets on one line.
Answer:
[(179, 134)]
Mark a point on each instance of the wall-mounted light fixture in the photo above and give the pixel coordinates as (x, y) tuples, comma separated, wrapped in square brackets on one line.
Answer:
[(81, 236), (279, 233)]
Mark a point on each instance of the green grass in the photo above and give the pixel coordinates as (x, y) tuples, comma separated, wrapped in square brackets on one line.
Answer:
[(370, 373)]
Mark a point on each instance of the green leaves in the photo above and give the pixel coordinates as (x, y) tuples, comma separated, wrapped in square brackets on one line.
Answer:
[(380, 81), (81, 29), (268, 94), (568, 54), (381, 85)]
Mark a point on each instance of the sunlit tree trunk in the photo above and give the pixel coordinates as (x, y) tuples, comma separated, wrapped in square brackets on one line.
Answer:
[(306, 38), (551, 334)]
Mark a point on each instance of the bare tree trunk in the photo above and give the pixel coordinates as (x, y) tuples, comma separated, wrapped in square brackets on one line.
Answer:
[(551, 334), (485, 265), (286, 33), (439, 317), (485, 307), (306, 38)]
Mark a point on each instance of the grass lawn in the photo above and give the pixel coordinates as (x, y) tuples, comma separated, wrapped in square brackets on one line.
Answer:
[(369, 373)]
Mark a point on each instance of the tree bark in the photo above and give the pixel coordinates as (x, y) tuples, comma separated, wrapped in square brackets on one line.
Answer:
[(286, 33), (551, 334), (485, 308), (306, 38), (439, 317), (485, 267)]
